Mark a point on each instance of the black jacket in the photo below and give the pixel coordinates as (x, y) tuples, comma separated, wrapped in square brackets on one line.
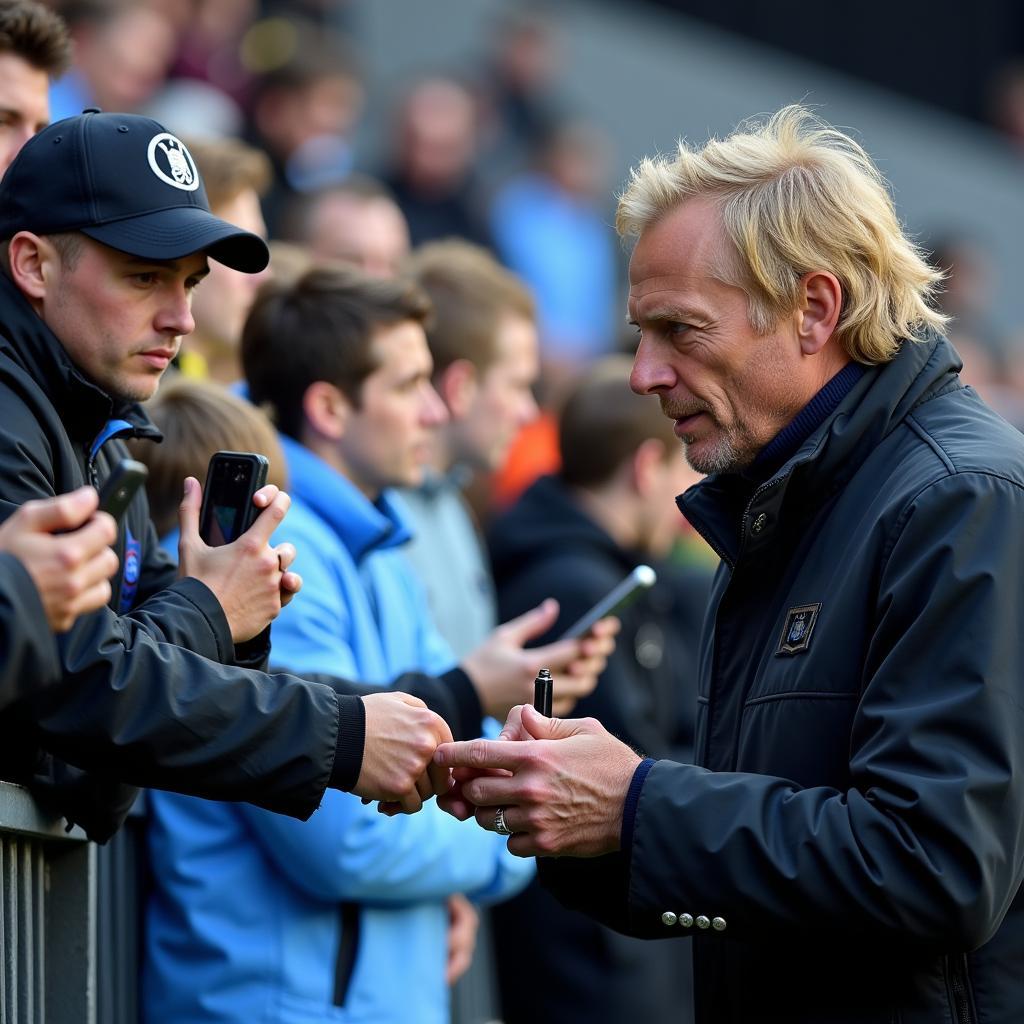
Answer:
[(28, 650), (852, 845), (154, 696), (579, 971)]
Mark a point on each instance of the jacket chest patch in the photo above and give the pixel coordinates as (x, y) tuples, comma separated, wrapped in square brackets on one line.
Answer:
[(797, 630)]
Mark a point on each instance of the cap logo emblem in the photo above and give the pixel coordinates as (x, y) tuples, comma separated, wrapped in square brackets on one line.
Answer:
[(172, 163)]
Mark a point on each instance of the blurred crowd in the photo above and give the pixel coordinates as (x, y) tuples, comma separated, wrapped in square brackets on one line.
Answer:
[(537, 472)]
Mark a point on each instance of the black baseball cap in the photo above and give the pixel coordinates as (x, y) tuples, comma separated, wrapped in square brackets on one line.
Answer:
[(125, 181)]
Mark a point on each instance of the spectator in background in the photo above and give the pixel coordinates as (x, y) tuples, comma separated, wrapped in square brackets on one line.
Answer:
[(305, 104), (575, 536), (235, 176), (357, 223), (434, 150), (55, 564), (483, 343), (518, 86), (355, 891), (34, 48), (988, 354), (122, 53), (550, 228)]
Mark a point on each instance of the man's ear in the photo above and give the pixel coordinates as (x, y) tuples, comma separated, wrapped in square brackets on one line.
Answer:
[(646, 465), (33, 262), (457, 385), (326, 410), (821, 302)]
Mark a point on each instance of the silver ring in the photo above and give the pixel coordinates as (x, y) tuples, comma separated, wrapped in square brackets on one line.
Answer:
[(499, 823)]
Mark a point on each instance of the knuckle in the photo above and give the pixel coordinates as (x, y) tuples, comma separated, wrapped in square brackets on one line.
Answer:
[(532, 792), (544, 843), (477, 754)]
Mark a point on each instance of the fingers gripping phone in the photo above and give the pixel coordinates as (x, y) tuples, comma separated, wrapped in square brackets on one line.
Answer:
[(119, 488), (641, 578), (231, 481)]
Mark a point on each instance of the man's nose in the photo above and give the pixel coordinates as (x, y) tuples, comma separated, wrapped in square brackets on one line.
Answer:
[(651, 373), (175, 316), (433, 411)]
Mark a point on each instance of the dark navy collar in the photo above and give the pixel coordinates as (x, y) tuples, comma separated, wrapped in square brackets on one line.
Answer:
[(786, 443)]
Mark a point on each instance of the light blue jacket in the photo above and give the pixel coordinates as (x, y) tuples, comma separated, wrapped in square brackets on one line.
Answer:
[(254, 914)]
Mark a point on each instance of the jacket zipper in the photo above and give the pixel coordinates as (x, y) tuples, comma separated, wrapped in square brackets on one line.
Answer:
[(959, 990)]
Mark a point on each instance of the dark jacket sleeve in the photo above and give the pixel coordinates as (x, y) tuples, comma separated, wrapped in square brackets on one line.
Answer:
[(451, 696), (158, 715), (27, 647), (185, 611), (927, 839)]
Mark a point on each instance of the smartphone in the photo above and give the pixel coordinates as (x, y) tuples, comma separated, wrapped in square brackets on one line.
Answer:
[(641, 578), (231, 481), (119, 488)]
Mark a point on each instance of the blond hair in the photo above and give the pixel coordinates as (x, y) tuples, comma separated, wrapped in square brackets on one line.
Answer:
[(798, 195)]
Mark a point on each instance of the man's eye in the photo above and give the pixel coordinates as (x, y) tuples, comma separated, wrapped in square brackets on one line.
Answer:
[(146, 278)]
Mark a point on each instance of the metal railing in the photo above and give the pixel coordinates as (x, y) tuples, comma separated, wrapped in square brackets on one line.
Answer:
[(47, 916)]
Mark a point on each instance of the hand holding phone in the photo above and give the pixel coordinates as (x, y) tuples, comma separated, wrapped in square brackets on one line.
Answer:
[(225, 543), (232, 480), (643, 577)]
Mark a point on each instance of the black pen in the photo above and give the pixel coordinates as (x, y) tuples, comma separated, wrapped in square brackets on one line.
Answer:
[(543, 688)]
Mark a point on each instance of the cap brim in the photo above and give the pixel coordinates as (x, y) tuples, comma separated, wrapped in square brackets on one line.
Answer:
[(181, 231)]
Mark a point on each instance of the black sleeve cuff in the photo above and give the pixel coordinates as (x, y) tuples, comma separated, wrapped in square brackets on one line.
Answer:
[(254, 653), (348, 750), (465, 723)]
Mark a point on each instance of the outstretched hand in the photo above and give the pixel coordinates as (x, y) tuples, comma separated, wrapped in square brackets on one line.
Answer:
[(398, 767)]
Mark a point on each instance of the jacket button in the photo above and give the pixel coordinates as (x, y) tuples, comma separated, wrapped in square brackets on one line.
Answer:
[(718, 923), (758, 524), (703, 921), (668, 919), (686, 920)]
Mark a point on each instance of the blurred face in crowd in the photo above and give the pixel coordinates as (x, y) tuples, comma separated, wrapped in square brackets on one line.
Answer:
[(438, 139), (222, 305), (368, 232), (120, 318), (728, 389), (501, 402), (126, 60), (24, 105), (661, 520), (387, 439)]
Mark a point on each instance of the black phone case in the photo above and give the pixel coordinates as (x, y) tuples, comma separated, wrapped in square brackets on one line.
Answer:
[(119, 488), (231, 481)]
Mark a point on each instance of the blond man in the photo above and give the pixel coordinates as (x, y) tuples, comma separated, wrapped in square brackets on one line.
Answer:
[(848, 846)]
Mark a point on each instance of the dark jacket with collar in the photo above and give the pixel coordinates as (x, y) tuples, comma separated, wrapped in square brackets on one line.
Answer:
[(547, 546), (850, 844), (153, 696)]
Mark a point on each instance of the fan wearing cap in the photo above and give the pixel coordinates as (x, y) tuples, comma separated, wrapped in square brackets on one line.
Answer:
[(105, 232)]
